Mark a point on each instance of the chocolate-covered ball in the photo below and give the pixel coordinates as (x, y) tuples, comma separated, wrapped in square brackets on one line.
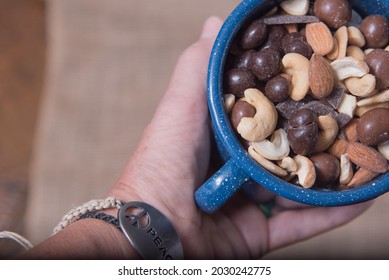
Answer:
[(292, 37), (244, 60), (241, 109), (277, 89), (334, 13), (375, 28), (327, 169), (274, 38), (299, 47), (266, 64), (373, 127), (296, 42), (237, 80), (253, 35), (303, 131), (378, 61)]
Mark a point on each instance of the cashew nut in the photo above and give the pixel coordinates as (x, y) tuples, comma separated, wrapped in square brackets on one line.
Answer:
[(361, 87), (349, 67), (229, 102), (275, 149), (384, 149), (272, 12), (264, 121), (348, 104), (267, 164), (293, 27), (360, 111), (288, 164), (355, 37), (381, 97), (306, 172), (295, 7), (328, 129), (356, 52), (341, 36), (332, 55), (367, 51), (346, 170), (297, 66)]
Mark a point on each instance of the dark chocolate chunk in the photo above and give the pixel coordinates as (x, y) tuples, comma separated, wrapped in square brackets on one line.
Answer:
[(335, 97), (318, 107), (287, 107), (289, 19), (341, 118)]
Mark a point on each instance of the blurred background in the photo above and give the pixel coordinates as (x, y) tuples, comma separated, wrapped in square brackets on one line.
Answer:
[(79, 81)]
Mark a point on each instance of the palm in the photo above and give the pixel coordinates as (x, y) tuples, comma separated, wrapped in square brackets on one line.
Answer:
[(171, 162)]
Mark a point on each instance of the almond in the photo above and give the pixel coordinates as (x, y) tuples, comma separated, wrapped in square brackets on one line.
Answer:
[(367, 157), (361, 177), (351, 130), (320, 38), (321, 77), (338, 148)]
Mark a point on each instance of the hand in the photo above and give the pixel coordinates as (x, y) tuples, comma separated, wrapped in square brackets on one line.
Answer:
[(171, 161), (169, 164)]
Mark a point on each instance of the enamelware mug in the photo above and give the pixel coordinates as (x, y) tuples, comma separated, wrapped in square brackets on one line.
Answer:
[(239, 168)]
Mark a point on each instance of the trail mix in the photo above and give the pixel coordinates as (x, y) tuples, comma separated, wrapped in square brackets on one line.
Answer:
[(307, 91)]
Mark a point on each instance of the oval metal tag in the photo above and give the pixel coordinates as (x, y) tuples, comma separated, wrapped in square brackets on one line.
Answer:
[(149, 232)]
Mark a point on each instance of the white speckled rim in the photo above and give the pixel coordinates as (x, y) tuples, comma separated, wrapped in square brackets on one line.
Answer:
[(239, 167)]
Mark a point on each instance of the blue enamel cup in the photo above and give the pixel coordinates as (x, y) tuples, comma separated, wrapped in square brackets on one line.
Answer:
[(239, 168)]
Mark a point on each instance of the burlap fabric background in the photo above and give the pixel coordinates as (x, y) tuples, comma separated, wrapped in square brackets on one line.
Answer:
[(109, 62)]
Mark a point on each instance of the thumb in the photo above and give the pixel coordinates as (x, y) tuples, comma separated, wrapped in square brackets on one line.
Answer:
[(181, 118), (211, 28), (189, 76)]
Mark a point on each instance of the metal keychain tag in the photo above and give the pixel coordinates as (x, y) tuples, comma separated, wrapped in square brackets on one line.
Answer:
[(149, 232)]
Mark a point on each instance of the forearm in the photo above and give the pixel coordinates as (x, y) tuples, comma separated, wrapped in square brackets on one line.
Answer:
[(84, 239)]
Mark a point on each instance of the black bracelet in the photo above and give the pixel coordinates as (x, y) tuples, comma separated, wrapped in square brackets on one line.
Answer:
[(148, 230), (102, 216)]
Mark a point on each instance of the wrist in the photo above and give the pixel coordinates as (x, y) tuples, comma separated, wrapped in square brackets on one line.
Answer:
[(106, 241), (84, 239), (149, 232)]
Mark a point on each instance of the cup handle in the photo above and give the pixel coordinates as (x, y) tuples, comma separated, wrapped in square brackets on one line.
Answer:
[(220, 187)]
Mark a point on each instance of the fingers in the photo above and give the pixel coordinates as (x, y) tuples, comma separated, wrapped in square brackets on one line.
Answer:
[(286, 204), (174, 148), (189, 77), (296, 225), (251, 223)]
